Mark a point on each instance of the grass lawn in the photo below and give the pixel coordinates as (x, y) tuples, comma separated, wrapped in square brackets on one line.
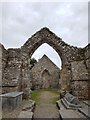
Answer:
[(37, 93)]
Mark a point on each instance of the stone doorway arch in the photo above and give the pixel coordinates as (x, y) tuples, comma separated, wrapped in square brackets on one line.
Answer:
[(46, 79)]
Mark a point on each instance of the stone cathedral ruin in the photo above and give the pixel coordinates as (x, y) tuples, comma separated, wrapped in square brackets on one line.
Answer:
[(73, 77)]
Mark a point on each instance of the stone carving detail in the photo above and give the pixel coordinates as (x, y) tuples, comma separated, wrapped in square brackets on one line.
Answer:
[(16, 74)]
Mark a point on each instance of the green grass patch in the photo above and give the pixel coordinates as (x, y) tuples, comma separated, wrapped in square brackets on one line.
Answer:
[(55, 91), (55, 99), (26, 101), (36, 94)]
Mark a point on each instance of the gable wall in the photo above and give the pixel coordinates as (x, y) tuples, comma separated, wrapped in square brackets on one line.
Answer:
[(37, 70)]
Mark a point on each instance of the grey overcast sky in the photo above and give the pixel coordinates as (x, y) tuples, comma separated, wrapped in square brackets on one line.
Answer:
[(20, 20)]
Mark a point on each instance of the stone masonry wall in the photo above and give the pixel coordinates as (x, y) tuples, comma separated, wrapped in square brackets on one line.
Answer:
[(80, 75), (11, 72), (3, 63), (15, 76)]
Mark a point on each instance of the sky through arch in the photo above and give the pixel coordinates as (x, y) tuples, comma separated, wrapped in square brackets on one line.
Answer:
[(49, 52)]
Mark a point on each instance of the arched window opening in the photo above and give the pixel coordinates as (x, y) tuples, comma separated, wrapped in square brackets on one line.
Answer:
[(50, 52)]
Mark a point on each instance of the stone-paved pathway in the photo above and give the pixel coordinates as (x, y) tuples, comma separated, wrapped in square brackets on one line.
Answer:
[(46, 108)]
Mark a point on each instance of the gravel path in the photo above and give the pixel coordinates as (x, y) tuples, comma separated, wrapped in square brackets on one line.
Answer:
[(46, 108)]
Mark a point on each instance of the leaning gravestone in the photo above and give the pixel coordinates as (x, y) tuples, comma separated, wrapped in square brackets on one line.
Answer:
[(11, 100), (70, 101)]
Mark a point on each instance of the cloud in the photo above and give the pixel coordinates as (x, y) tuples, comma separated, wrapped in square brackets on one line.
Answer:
[(68, 20)]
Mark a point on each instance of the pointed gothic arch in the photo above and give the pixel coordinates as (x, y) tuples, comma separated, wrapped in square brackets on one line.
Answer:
[(66, 52), (45, 36)]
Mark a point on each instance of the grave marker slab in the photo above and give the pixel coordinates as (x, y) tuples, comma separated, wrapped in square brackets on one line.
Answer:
[(70, 101), (11, 100)]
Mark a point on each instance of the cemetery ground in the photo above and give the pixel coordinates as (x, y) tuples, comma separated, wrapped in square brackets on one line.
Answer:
[(45, 105), (6, 113)]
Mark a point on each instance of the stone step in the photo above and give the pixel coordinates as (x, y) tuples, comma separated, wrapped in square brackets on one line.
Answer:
[(26, 114)]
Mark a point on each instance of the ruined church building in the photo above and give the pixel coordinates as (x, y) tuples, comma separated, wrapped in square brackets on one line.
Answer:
[(74, 75)]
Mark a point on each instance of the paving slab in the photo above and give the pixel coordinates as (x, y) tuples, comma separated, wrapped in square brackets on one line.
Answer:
[(64, 113), (59, 104), (85, 111), (26, 114), (87, 102), (29, 106)]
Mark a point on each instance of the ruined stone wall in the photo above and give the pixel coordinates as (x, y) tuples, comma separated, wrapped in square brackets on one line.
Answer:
[(45, 64), (65, 78), (87, 59), (80, 75), (11, 73), (3, 62), (25, 84), (15, 72), (75, 73)]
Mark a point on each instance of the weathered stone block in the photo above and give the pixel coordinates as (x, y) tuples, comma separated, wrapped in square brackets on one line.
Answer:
[(79, 71), (11, 100), (80, 89)]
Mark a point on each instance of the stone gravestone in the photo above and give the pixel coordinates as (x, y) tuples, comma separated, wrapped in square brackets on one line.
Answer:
[(70, 101), (69, 106), (11, 100)]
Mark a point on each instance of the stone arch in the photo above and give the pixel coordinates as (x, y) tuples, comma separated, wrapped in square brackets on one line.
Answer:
[(69, 56), (45, 36), (66, 52)]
